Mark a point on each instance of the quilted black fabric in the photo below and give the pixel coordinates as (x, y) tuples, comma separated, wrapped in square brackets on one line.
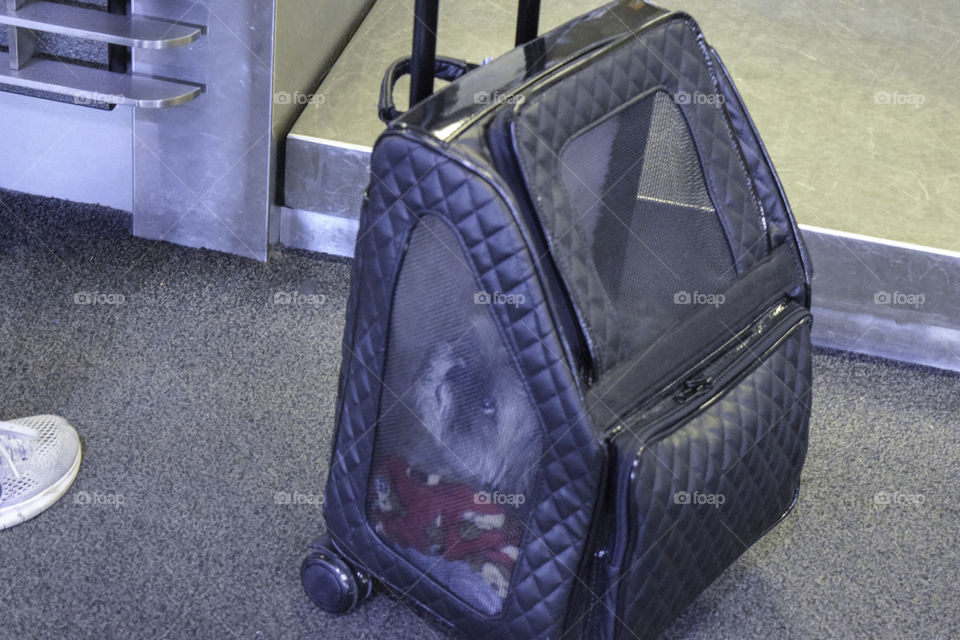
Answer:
[(749, 448), (413, 178), (672, 57), (750, 445)]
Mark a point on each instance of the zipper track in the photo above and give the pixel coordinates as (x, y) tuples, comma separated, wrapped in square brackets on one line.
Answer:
[(600, 554), (660, 427), (705, 376)]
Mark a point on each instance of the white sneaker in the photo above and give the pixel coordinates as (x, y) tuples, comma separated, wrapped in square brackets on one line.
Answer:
[(39, 459)]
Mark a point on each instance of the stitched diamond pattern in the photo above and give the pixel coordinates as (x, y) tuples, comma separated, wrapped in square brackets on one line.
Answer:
[(748, 447), (413, 179), (673, 57)]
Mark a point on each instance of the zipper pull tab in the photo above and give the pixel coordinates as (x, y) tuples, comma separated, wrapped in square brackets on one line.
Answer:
[(693, 387)]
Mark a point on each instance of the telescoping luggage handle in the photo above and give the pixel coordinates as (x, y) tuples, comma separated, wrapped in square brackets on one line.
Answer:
[(425, 41), (424, 65)]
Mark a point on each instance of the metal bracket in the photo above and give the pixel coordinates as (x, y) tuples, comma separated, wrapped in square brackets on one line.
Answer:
[(119, 55), (23, 44)]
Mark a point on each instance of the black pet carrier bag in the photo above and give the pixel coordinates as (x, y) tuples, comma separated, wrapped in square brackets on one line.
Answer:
[(576, 369)]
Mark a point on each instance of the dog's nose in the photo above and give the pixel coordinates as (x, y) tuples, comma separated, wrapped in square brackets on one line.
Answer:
[(488, 407)]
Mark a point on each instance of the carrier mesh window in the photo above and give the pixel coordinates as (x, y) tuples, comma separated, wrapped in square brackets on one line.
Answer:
[(653, 241), (457, 440)]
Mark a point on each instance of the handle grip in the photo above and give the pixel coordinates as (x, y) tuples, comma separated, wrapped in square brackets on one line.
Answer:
[(448, 69)]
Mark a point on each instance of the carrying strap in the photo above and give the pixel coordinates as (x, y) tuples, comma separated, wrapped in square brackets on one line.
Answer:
[(448, 69)]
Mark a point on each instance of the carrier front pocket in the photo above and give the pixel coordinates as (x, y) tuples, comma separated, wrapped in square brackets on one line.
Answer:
[(707, 468)]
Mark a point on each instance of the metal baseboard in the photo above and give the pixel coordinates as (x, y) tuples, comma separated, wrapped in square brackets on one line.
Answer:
[(885, 298), (325, 175), (331, 234)]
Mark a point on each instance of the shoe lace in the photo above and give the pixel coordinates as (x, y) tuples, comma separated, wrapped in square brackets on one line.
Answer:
[(14, 439)]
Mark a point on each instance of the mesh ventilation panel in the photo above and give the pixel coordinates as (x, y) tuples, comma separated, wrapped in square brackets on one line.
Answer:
[(640, 201), (458, 440)]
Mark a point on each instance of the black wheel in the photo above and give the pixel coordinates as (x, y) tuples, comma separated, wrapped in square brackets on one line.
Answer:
[(330, 581)]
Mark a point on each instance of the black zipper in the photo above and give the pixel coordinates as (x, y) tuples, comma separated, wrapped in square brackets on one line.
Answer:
[(596, 576), (677, 398), (609, 547), (597, 583)]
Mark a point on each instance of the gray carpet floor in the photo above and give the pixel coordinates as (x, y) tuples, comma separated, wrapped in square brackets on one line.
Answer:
[(199, 398)]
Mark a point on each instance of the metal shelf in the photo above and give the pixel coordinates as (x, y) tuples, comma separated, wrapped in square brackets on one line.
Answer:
[(96, 86), (92, 24)]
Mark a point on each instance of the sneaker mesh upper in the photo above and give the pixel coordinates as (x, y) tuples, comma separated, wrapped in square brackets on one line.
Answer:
[(41, 463)]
